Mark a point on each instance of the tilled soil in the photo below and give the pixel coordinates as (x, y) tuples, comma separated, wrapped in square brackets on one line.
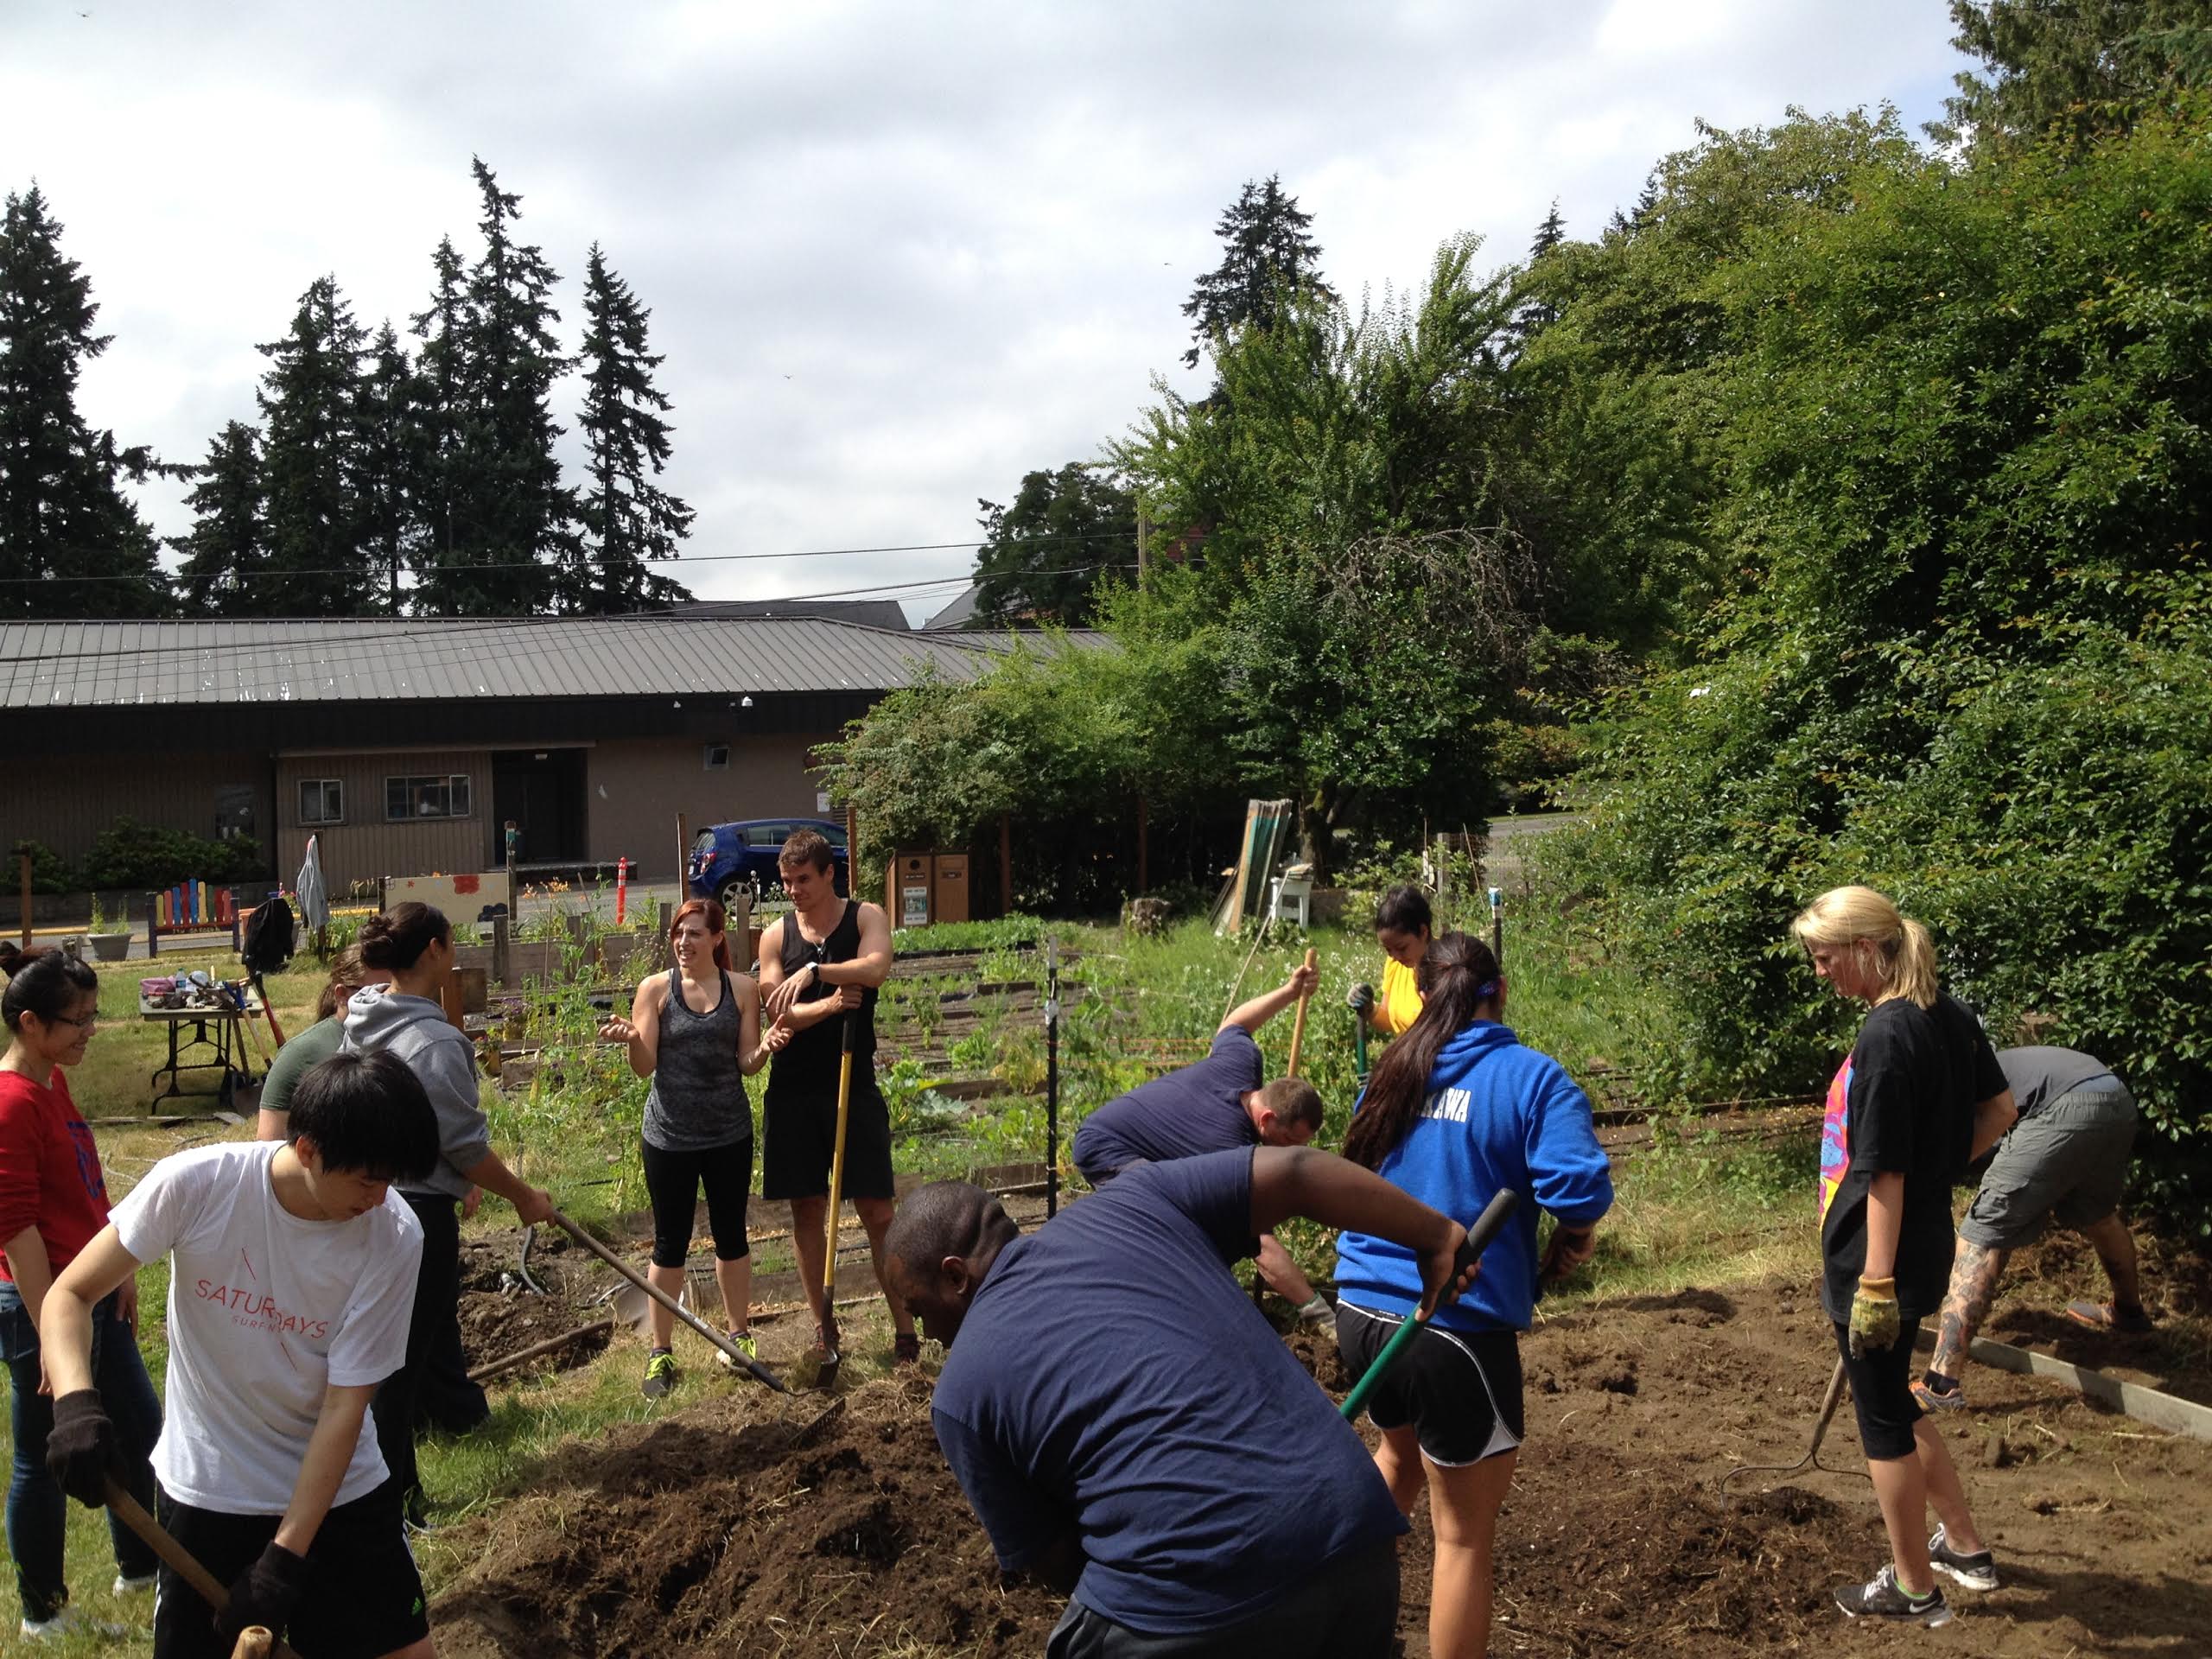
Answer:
[(498, 1317), (747, 1525)]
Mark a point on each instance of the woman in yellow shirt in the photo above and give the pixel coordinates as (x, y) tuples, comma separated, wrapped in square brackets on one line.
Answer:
[(1402, 924)]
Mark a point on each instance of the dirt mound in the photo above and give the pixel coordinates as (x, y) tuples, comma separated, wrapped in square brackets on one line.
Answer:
[(714, 1532), (500, 1316)]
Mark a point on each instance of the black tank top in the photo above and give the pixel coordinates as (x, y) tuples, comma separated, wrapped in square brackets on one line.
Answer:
[(810, 1061)]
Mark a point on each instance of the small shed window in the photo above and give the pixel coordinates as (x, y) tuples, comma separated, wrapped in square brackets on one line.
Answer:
[(717, 757), (426, 798), (322, 800)]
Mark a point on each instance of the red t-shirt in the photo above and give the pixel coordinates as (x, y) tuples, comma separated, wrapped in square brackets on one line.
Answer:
[(49, 1169)]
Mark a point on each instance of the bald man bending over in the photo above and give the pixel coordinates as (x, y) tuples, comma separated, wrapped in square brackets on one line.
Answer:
[(1130, 1428)]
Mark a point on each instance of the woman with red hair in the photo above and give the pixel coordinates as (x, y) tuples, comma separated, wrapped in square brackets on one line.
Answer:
[(696, 1032)]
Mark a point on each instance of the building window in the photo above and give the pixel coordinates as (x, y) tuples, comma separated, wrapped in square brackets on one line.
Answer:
[(426, 798), (322, 800), (717, 757)]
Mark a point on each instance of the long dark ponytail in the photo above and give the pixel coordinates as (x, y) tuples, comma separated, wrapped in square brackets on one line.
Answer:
[(1458, 979)]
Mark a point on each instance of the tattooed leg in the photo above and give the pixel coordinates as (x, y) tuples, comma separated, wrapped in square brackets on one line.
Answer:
[(1974, 1272), (2115, 1248)]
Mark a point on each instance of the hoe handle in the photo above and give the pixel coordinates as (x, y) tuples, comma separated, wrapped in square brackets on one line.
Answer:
[(1297, 1024), (1487, 1227), (837, 1157), (182, 1562), (751, 1366)]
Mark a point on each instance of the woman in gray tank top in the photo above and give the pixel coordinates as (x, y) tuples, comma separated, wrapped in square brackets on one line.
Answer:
[(696, 1032)]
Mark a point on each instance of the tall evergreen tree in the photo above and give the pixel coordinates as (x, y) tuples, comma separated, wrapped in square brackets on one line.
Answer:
[(625, 519), (1042, 554), (438, 398), (1536, 312), (1269, 255), (71, 543), (2087, 64), (384, 431), (309, 396), (225, 565), (512, 520)]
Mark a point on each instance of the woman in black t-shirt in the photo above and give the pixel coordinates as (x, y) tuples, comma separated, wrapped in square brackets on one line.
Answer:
[(1918, 1098)]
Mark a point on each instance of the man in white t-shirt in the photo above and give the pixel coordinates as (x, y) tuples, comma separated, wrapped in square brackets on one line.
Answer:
[(292, 1277)]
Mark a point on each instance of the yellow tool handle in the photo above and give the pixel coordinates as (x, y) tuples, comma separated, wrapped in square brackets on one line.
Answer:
[(1298, 1024), (837, 1159)]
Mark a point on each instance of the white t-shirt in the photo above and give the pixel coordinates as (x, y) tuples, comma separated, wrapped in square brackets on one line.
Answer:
[(266, 1311)]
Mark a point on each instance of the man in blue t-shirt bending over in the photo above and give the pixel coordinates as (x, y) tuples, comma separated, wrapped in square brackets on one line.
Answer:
[(1215, 1104), (1130, 1428)]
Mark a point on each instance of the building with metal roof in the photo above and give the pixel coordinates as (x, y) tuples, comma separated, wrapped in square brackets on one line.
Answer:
[(406, 744)]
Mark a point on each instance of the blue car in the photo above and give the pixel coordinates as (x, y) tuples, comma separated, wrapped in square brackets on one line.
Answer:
[(730, 859)]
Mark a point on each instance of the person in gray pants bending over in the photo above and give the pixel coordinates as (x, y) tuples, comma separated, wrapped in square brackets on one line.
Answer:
[(2064, 1161)]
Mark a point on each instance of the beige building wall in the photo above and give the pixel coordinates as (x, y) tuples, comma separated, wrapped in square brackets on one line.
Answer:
[(367, 845), (634, 790), (63, 802)]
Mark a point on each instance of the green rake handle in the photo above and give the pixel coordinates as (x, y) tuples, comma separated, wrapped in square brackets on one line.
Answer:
[(1487, 1227)]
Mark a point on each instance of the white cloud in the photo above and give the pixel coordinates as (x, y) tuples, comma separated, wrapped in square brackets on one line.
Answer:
[(962, 232)]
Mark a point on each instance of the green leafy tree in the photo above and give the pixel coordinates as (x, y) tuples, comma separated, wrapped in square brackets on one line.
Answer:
[(310, 401), (1044, 553), (225, 553), (627, 519), (2084, 64), (71, 543), (1268, 258), (510, 519)]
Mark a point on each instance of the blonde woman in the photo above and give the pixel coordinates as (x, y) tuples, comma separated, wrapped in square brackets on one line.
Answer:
[(1918, 1098)]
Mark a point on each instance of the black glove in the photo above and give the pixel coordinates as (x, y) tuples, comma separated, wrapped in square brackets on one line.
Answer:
[(265, 1593), (1361, 1001), (80, 1452)]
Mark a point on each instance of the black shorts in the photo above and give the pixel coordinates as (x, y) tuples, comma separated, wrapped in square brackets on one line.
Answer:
[(363, 1597), (672, 1183), (802, 1130), (1881, 1393), (1460, 1389)]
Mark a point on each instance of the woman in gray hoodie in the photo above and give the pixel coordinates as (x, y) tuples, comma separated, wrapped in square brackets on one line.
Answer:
[(413, 943)]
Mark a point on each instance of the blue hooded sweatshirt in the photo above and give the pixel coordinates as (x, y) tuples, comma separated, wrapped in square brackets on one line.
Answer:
[(1497, 1114)]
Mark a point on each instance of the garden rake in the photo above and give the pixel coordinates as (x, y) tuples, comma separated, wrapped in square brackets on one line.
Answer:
[(1812, 1457)]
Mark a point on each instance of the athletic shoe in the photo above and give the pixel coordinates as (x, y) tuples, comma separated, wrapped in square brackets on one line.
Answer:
[(1976, 1572), (1881, 1597), (906, 1348), (660, 1374), (742, 1341), (1934, 1398), (2111, 1316), (67, 1622), (126, 1585)]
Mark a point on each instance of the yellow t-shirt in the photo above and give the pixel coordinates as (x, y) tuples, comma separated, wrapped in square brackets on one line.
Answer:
[(1400, 1004)]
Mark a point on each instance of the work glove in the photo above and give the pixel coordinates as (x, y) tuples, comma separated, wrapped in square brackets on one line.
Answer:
[(266, 1593), (1361, 1001), (80, 1452), (1874, 1322), (1569, 1249), (1318, 1312)]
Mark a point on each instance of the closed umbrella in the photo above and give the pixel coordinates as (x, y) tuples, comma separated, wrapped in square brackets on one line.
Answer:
[(315, 898)]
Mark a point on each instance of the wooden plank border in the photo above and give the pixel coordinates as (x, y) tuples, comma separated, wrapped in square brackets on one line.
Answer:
[(2165, 1411)]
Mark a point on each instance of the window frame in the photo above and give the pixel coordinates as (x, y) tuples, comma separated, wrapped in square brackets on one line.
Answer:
[(322, 786), (411, 784)]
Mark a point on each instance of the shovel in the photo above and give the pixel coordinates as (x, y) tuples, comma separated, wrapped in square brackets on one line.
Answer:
[(1812, 1457), (738, 1357), (1487, 1226), (186, 1565), (826, 1373)]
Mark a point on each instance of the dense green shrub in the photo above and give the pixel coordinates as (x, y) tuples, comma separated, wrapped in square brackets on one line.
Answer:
[(136, 856), (50, 872)]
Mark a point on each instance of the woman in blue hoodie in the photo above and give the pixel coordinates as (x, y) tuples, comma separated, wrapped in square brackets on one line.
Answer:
[(1458, 1109)]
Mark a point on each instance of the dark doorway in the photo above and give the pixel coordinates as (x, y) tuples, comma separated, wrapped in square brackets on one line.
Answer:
[(543, 790)]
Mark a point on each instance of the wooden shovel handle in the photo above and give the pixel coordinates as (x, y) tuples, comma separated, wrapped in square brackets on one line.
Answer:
[(186, 1565), (1297, 1024)]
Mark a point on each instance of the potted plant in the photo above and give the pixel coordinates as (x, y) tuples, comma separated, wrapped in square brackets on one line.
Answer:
[(110, 935)]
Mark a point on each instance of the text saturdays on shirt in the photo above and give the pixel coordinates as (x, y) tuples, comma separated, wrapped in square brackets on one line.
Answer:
[(258, 1310)]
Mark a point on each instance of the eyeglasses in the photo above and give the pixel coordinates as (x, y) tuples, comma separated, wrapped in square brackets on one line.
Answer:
[(85, 1024)]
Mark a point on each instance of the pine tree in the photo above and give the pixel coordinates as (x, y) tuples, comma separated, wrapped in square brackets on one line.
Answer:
[(437, 405), (511, 518), (309, 396), (227, 552), (71, 543), (384, 435), (625, 518), (1536, 312), (1269, 255)]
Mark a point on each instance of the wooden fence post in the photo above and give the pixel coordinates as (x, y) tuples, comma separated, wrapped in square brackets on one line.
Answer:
[(24, 860), (683, 858)]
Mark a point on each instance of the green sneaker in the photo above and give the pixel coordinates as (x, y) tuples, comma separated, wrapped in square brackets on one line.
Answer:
[(742, 1341), (660, 1373)]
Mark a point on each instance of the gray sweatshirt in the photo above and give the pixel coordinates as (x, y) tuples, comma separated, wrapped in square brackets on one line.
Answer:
[(381, 1019)]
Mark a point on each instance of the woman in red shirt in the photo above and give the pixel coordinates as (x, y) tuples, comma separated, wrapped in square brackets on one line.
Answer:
[(53, 1201)]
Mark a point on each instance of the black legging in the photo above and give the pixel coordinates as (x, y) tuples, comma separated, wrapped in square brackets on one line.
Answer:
[(433, 1335), (673, 1182)]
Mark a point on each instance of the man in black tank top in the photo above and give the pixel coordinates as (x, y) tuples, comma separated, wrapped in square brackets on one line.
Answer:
[(820, 964)]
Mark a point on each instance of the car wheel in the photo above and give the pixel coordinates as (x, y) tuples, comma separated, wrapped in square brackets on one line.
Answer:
[(735, 892)]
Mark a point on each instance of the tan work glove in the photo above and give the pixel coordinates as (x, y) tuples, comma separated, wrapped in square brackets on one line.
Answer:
[(1874, 1321)]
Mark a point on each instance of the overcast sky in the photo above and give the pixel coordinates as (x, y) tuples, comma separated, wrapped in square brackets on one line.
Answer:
[(897, 254)]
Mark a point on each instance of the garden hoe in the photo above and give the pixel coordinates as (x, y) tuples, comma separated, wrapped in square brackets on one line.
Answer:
[(255, 1639), (833, 1359), (1812, 1457), (627, 1307), (1487, 1226), (1297, 1041)]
